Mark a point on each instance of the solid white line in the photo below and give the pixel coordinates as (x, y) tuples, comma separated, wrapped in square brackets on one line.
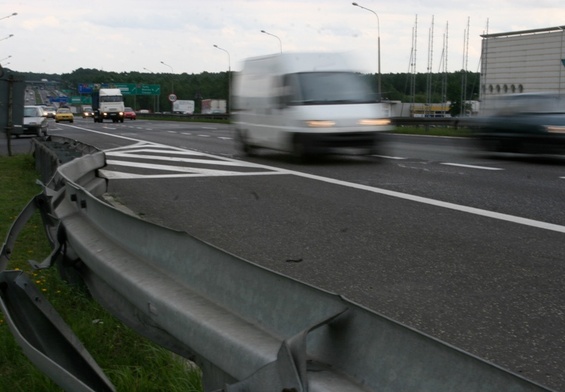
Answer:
[(116, 175), (405, 196), (471, 166), (182, 169), (175, 159), (438, 203)]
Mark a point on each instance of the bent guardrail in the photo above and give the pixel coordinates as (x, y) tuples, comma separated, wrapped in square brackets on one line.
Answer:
[(248, 328)]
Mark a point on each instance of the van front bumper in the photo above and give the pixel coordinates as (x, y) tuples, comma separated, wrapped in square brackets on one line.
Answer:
[(329, 142)]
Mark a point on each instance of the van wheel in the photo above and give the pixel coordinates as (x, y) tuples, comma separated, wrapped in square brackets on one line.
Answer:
[(243, 145), (300, 152)]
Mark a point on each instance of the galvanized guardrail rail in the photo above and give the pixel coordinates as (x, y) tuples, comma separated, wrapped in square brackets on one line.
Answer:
[(248, 328)]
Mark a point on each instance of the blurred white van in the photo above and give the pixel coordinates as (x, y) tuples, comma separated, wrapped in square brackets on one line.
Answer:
[(306, 103)]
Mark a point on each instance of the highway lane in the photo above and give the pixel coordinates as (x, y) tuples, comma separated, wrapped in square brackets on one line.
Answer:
[(489, 285)]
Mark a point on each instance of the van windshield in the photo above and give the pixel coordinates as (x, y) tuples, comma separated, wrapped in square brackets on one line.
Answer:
[(327, 88)]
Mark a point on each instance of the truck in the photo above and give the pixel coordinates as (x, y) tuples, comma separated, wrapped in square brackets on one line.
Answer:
[(183, 106), (108, 103), (306, 104), (213, 106)]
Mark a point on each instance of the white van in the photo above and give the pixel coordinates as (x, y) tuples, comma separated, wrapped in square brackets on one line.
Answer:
[(306, 103)]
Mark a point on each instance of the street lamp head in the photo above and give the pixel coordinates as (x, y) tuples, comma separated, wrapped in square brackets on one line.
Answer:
[(355, 4), (263, 31)]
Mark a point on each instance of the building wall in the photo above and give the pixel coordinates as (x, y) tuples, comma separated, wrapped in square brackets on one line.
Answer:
[(522, 62)]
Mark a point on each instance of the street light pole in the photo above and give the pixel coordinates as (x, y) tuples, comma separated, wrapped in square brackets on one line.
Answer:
[(229, 75), (9, 36), (378, 46), (280, 42), (9, 16), (172, 86), (155, 100), (172, 81)]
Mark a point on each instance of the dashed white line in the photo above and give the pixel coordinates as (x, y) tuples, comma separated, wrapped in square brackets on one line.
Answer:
[(471, 166), (389, 157)]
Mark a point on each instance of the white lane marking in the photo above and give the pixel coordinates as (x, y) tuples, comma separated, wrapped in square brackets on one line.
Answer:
[(204, 135), (472, 166), (114, 175), (217, 162), (389, 157), (405, 196), (438, 203), (225, 138)]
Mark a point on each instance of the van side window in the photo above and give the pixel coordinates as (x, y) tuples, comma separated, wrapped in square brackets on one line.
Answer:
[(291, 90)]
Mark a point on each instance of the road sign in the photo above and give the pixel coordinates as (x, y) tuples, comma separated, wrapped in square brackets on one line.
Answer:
[(126, 88), (172, 97)]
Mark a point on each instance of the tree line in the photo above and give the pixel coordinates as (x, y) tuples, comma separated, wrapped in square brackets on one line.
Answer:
[(405, 87)]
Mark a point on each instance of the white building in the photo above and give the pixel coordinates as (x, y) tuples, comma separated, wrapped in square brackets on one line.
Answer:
[(528, 61)]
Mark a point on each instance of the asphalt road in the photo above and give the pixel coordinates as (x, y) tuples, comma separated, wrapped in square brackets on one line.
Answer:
[(464, 247)]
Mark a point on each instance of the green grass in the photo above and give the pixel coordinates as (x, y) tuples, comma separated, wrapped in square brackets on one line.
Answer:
[(131, 362), (433, 131)]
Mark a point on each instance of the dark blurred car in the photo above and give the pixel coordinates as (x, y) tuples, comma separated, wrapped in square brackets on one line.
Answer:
[(64, 114), (129, 113), (87, 111), (49, 111), (35, 122), (522, 123)]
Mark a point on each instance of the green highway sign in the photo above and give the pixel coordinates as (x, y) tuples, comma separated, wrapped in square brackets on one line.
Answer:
[(126, 88), (82, 99), (139, 88)]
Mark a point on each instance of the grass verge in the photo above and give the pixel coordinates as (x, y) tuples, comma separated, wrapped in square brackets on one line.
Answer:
[(131, 362), (433, 131)]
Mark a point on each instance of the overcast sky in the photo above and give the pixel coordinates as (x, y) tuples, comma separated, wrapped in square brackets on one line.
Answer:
[(56, 36)]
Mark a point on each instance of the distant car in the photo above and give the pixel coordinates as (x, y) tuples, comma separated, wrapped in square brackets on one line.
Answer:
[(49, 111), (64, 114), (87, 112), (35, 122), (129, 113), (522, 123)]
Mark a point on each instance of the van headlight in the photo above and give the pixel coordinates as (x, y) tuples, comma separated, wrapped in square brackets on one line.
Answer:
[(319, 123), (555, 128), (374, 121)]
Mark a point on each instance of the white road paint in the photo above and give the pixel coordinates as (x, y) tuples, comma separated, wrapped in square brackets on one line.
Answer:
[(472, 166), (389, 157), (367, 188)]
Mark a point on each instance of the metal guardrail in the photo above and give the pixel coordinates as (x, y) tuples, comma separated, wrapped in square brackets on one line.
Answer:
[(248, 328)]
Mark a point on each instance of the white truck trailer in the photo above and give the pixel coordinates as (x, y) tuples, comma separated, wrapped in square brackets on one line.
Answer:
[(183, 106)]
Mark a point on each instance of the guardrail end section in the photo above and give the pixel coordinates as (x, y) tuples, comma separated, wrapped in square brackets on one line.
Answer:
[(45, 338)]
